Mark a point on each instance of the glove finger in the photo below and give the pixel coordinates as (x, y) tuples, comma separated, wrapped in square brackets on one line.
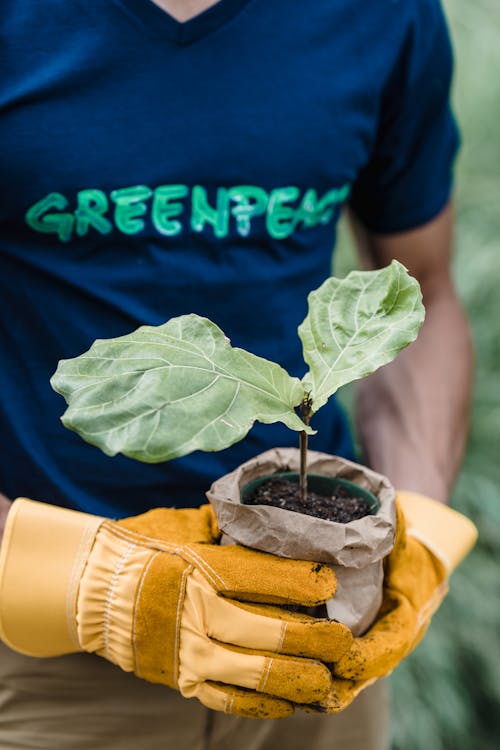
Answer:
[(248, 575), (297, 680), (270, 628), (341, 695), (261, 626), (378, 651), (233, 700)]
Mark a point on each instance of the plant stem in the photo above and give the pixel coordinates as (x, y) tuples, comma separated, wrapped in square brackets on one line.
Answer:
[(303, 466), (305, 414)]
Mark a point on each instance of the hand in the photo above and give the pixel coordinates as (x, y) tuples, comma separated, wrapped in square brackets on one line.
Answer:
[(158, 596), (431, 540)]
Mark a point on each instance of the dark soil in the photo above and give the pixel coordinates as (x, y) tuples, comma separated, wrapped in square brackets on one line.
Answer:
[(282, 493)]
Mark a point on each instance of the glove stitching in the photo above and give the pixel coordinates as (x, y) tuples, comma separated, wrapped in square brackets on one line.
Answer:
[(200, 564), (228, 709), (86, 542), (106, 623), (148, 541), (183, 551), (431, 605), (265, 676), (182, 589), (136, 609), (207, 565), (284, 628)]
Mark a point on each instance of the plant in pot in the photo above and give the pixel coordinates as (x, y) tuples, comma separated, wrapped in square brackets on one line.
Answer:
[(162, 392)]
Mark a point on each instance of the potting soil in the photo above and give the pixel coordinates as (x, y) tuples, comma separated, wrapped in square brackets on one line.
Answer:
[(341, 507)]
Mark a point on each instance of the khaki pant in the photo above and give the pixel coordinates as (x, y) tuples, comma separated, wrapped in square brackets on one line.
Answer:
[(82, 701)]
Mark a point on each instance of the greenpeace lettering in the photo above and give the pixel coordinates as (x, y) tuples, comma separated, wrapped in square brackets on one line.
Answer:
[(173, 209), (166, 206), (42, 218)]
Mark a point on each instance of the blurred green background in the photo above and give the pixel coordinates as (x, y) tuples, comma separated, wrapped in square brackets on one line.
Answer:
[(446, 696)]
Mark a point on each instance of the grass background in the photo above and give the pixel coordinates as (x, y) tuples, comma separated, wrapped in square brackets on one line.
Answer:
[(446, 696)]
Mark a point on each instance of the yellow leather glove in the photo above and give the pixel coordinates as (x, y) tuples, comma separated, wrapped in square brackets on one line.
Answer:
[(155, 595), (431, 540)]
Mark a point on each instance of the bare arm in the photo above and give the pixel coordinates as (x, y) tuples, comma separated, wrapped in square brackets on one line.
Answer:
[(413, 414), (4, 509)]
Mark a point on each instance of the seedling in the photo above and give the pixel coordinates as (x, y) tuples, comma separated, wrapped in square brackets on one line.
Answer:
[(162, 392)]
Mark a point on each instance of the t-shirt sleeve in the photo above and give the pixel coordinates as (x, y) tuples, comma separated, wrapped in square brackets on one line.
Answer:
[(408, 178)]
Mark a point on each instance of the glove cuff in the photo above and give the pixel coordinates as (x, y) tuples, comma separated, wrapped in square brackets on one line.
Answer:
[(43, 553), (449, 535)]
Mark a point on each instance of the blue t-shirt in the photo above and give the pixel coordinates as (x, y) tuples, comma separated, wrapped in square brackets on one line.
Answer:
[(150, 168)]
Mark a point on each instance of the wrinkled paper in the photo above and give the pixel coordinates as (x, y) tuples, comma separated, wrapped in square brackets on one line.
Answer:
[(354, 550)]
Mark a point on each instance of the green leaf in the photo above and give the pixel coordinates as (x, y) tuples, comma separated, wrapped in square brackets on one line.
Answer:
[(357, 324), (162, 392)]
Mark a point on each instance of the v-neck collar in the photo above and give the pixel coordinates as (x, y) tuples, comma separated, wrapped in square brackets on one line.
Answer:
[(160, 21)]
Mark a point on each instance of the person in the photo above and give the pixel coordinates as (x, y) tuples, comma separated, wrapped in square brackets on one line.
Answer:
[(182, 156)]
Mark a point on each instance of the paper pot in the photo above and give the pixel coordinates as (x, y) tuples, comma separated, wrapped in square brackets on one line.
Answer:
[(355, 550)]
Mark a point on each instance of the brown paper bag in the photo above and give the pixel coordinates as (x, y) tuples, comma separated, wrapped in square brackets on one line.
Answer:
[(355, 550)]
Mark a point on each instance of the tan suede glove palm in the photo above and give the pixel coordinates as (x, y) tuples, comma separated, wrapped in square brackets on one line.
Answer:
[(431, 540), (156, 595)]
